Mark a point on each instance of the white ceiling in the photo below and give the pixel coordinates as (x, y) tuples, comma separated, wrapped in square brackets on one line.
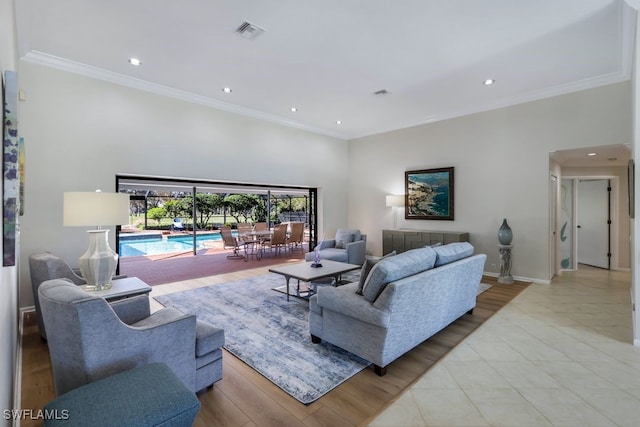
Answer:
[(328, 57)]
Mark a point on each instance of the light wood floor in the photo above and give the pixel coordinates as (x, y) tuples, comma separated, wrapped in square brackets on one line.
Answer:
[(245, 398)]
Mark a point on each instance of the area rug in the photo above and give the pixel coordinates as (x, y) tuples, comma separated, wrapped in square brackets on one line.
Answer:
[(270, 334)]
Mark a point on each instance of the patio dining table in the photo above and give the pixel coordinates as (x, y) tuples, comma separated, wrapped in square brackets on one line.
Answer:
[(252, 242)]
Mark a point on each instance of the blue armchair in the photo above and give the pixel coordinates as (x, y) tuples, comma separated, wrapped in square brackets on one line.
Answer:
[(349, 245), (88, 341), (46, 266)]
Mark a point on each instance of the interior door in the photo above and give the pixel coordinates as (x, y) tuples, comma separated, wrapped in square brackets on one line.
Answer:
[(593, 222)]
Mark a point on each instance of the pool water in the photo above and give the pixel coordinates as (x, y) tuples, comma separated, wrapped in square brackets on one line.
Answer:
[(159, 245)]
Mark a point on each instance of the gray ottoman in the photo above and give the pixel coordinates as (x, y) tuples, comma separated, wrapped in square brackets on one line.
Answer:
[(149, 395)]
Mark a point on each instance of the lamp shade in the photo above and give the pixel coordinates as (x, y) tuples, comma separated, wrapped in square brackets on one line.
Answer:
[(395, 201), (95, 209)]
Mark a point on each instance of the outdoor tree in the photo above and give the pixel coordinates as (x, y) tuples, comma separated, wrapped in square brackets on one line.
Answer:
[(174, 208), (157, 214), (207, 205), (241, 205), (260, 210)]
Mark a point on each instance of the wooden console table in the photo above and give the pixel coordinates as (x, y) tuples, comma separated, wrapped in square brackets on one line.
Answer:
[(402, 240)]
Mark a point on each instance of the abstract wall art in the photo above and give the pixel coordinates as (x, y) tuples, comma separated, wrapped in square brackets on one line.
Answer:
[(10, 168)]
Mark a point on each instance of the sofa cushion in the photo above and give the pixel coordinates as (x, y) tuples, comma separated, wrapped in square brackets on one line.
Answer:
[(369, 262), (395, 268), (452, 252)]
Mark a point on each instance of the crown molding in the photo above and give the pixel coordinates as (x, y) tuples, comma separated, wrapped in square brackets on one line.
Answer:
[(41, 58)]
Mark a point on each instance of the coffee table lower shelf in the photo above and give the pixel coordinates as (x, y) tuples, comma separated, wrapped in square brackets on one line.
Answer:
[(303, 271)]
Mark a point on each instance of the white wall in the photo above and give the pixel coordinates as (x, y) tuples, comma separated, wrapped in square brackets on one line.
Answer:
[(80, 132), (8, 277), (501, 161)]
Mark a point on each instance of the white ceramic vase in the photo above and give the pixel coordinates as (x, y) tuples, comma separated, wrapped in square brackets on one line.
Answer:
[(98, 264)]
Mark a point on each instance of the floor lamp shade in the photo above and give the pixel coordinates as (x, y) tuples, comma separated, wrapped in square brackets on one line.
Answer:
[(83, 209)]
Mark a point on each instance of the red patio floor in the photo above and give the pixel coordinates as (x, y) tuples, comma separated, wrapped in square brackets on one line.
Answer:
[(157, 270)]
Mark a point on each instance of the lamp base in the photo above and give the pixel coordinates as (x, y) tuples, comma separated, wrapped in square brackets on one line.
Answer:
[(98, 264)]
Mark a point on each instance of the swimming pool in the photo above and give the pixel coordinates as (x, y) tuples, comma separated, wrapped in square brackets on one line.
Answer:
[(139, 246)]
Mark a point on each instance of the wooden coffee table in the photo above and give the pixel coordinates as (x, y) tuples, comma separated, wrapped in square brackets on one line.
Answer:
[(303, 271)]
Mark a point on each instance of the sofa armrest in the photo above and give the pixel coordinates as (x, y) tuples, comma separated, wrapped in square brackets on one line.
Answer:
[(356, 252), (132, 310), (345, 301)]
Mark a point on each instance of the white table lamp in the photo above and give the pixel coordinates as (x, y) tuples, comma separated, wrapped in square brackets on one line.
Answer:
[(85, 209), (395, 202)]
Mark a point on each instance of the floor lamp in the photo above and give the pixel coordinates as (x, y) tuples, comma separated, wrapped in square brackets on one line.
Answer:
[(395, 202), (85, 209)]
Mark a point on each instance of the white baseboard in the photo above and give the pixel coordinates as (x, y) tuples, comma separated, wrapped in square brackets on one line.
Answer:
[(520, 278), (17, 385)]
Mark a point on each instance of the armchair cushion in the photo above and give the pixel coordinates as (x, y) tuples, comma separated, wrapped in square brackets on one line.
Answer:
[(343, 239), (132, 310), (208, 338)]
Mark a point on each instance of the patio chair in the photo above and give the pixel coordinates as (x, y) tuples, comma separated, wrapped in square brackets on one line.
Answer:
[(296, 237), (230, 242), (244, 232), (177, 225), (278, 239)]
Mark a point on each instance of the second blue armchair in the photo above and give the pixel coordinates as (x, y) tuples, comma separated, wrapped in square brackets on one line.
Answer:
[(349, 245)]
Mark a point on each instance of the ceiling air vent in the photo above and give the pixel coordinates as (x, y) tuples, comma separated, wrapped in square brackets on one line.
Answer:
[(381, 92), (249, 30)]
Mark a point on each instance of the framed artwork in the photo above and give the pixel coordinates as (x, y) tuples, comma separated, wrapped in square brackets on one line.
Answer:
[(10, 151), (429, 194)]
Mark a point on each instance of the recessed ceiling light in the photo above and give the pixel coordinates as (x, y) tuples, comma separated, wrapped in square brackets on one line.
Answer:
[(227, 90), (488, 82), (134, 61), (338, 122), (592, 154), (294, 109)]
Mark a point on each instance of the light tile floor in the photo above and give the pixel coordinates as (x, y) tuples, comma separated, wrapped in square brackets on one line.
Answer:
[(557, 355)]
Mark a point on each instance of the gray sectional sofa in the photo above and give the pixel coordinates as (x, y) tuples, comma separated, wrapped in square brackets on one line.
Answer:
[(399, 302)]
